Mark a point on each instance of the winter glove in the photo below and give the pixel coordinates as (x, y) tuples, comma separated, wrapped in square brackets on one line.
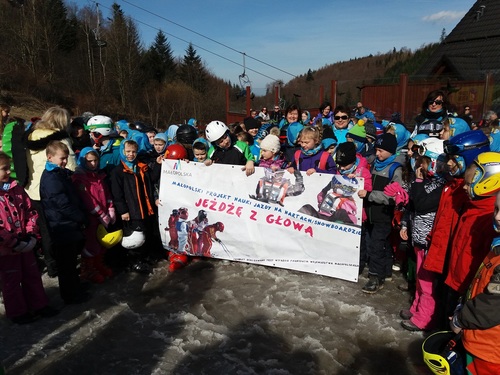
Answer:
[(112, 215), (25, 245), (454, 323), (399, 194), (104, 219)]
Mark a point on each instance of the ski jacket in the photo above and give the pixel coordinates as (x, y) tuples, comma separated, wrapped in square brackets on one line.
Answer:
[(451, 204), (237, 154), (133, 192), (62, 206), (38, 140), (379, 206), (109, 155), (424, 203), (306, 162), (93, 191), (277, 161), (471, 242), (479, 316), (17, 217)]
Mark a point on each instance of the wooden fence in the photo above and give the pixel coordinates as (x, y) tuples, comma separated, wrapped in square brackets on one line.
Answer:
[(404, 97)]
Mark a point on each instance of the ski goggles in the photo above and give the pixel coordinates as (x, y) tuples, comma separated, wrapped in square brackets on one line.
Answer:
[(430, 127)]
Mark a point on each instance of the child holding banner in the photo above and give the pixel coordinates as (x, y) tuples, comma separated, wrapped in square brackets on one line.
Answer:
[(352, 164), (226, 149), (270, 155), (311, 157)]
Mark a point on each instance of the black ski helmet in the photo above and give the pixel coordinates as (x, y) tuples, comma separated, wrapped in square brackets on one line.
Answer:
[(186, 134)]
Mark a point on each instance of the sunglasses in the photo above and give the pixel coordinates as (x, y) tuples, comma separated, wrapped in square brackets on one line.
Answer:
[(437, 102), (341, 117)]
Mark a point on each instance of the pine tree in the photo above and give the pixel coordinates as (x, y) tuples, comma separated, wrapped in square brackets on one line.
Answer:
[(192, 71), (309, 76), (443, 35), (159, 64), (124, 58)]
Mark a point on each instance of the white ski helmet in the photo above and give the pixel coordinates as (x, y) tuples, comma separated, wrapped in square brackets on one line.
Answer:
[(215, 130), (433, 148), (100, 124), (134, 240)]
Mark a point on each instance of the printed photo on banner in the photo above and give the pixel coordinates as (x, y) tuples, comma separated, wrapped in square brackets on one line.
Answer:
[(273, 218)]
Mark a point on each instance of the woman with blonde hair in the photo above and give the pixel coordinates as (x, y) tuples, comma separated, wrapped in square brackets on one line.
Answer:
[(52, 127)]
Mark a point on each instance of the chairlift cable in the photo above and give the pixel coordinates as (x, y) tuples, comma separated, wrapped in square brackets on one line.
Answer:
[(195, 45), (206, 37)]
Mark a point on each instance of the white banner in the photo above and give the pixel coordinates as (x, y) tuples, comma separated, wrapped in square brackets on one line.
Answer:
[(294, 221)]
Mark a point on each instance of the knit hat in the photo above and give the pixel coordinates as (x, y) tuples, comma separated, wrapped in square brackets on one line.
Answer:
[(357, 132), (346, 154), (270, 143), (329, 133), (251, 123), (387, 142), (370, 130)]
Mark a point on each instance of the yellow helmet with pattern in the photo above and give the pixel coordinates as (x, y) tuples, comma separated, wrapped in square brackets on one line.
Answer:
[(438, 352), (108, 239), (486, 180)]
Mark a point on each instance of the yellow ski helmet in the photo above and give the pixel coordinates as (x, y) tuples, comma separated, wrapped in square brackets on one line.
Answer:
[(108, 239), (486, 180), (438, 353)]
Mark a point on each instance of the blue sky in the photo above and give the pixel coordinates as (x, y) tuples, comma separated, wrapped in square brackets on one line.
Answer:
[(292, 35)]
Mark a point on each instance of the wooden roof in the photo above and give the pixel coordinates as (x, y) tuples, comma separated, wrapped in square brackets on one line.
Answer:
[(472, 49)]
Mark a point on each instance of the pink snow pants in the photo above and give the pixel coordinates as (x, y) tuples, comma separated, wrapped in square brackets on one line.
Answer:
[(424, 305), (22, 286)]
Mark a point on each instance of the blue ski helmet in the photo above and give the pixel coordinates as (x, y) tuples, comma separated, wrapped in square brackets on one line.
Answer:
[(467, 145)]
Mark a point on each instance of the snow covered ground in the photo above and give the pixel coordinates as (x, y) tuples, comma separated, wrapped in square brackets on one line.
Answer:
[(219, 317)]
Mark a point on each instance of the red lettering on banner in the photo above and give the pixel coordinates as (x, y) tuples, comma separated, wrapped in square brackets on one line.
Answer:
[(253, 215), (213, 205), (286, 222)]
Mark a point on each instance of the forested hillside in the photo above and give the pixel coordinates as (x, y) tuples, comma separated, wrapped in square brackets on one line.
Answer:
[(53, 53)]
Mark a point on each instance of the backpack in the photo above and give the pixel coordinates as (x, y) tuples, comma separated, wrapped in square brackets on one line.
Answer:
[(14, 144), (322, 160), (395, 165)]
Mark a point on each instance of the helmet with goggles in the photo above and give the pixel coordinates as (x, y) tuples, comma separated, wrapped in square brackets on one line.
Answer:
[(102, 125), (433, 149), (467, 145), (486, 179)]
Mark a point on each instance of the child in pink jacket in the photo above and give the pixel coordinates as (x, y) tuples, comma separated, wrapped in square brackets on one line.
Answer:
[(22, 289), (95, 194)]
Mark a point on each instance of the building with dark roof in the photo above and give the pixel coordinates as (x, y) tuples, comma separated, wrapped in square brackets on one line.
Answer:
[(472, 49)]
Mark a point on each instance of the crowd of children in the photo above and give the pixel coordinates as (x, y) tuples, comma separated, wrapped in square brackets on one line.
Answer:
[(434, 177)]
